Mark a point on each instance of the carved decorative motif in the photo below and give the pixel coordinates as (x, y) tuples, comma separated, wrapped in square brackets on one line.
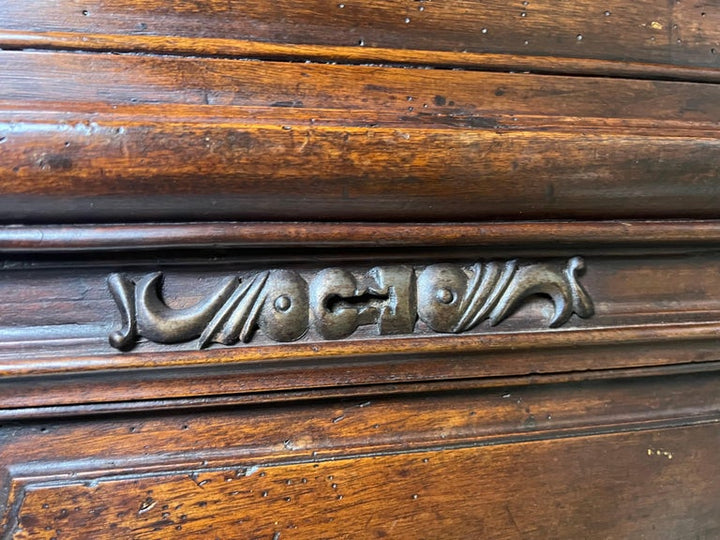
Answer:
[(284, 306)]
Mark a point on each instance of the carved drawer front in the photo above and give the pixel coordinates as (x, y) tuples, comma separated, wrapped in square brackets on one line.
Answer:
[(199, 326), (359, 269), (446, 464)]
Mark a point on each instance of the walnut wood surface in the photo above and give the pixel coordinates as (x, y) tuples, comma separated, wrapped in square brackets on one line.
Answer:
[(224, 140), (484, 492), (465, 32), (265, 140), (116, 238), (445, 465), (58, 312)]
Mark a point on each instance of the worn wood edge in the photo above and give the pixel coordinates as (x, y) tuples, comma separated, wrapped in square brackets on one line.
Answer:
[(207, 235), (655, 335), (680, 406), (233, 48), (122, 469), (687, 409), (29, 409), (251, 379), (57, 115), (246, 189), (20, 482)]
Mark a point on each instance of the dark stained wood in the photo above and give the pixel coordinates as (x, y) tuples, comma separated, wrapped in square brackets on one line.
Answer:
[(160, 236), (642, 32), (277, 139), (490, 228), (51, 311), (112, 379), (92, 395), (445, 463)]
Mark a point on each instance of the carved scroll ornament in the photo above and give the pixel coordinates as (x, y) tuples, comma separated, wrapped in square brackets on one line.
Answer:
[(448, 298)]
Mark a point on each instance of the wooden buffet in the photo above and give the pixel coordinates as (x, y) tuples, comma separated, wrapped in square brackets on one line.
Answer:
[(360, 269)]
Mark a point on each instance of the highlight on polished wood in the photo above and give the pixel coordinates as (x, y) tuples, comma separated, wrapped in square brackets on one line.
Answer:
[(359, 269)]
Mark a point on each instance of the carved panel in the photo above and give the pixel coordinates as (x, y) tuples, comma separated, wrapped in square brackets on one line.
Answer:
[(335, 302)]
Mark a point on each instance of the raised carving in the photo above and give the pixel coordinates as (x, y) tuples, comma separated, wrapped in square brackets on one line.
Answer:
[(281, 304), (456, 299)]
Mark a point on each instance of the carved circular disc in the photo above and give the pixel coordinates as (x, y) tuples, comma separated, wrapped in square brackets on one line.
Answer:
[(285, 314), (440, 289)]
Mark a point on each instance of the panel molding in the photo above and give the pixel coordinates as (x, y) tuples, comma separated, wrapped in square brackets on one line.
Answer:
[(131, 237), (246, 441)]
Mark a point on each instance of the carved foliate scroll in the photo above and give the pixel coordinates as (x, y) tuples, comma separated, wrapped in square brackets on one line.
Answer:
[(335, 302)]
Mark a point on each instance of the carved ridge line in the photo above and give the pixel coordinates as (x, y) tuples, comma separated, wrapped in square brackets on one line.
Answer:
[(64, 238), (447, 298), (652, 336)]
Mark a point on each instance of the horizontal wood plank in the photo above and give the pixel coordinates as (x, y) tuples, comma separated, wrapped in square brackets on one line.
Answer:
[(151, 138), (364, 465), (405, 93), (207, 236), (683, 34), (252, 140)]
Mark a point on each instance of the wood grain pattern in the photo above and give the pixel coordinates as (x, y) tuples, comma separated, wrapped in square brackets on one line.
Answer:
[(468, 32), (398, 496), (264, 140), (234, 48), (403, 93), (360, 142), (578, 235), (431, 460), (367, 174)]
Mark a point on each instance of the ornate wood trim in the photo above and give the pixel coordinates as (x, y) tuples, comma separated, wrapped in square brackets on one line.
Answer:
[(154, 236), (448, 298)]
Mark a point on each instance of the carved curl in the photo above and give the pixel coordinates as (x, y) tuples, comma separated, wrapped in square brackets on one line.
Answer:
[(446, 297), (453, 299)]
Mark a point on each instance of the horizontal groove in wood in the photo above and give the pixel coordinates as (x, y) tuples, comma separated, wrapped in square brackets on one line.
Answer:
[(151, 236), (204, 382), (658, 337), (94, 394), (229, 48), (409, 93), (616, 33), (414, 421)]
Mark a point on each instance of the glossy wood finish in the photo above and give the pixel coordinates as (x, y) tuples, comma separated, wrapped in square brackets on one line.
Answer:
[(360, 467), (251, 235), (575, 144), (643, 32), (402, 143)]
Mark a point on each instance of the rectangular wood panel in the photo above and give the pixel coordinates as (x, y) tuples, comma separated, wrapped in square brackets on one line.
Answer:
[(359, 269), (591, 460), (649, 31), (146, 138), (561, 489)]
